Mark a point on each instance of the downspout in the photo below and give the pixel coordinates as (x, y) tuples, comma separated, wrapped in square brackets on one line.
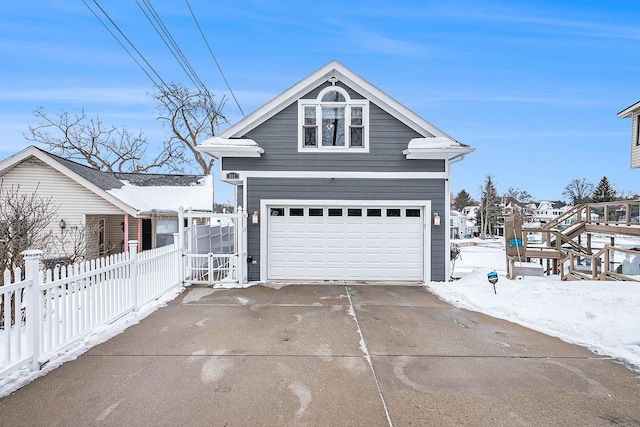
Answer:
[(447, 216)]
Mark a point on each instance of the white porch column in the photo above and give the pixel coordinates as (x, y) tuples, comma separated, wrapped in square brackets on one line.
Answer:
[(126, 232)]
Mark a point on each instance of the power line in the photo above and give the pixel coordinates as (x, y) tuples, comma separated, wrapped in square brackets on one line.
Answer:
[(170, 43), (214, 58), (128, 41)]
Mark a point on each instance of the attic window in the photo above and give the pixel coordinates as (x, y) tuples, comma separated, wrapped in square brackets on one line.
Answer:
[(333, 122)]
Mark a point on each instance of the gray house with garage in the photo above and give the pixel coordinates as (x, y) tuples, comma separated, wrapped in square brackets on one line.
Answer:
[(340, 182)]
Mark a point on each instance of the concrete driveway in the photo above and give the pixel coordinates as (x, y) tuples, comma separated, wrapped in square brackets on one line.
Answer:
[(330, 355)]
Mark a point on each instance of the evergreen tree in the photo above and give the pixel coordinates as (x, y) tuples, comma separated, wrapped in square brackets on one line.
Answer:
[(489, 212), (462, 200), (604, 192)]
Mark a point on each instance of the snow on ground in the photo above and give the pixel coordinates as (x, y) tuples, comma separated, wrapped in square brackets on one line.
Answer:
[(603, 316)]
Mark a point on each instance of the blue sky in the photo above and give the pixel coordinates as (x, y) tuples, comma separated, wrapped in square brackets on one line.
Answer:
[(533, 86)]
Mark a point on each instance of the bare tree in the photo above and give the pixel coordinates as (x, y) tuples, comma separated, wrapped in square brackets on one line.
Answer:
[(192, 116), (24, 224), (520, 202), (578, 191), (108, 148), (627, 195)]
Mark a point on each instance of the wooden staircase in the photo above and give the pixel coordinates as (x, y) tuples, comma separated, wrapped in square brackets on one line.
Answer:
[(565, 242)]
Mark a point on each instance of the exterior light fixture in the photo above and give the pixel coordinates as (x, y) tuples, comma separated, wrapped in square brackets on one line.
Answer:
[(254, 217), (436, 219), (62, 225)]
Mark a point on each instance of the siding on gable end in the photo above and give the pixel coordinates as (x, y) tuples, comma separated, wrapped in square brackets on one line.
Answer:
[(279, 138), (349, 189), (72, 199), (314, 93)]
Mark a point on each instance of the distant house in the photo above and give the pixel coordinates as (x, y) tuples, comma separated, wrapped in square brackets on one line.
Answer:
[(457, 225), (341, 182), (548, 210), (633, 112), (112, 208)]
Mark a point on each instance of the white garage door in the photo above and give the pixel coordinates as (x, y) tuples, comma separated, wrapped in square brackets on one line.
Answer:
[(345, 243)]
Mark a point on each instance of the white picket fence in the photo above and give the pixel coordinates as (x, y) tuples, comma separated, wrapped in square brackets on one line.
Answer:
[(50, 311)]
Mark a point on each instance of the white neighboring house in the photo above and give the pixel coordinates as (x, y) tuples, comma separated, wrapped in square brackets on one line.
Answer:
[(547, 210), (113, 208), (457, 225), (471, 212)]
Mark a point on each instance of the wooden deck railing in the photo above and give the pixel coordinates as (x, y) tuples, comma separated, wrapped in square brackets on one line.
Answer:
[(559, 240)]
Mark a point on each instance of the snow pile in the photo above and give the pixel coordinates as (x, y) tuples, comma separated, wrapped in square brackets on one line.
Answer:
[(602, 316)]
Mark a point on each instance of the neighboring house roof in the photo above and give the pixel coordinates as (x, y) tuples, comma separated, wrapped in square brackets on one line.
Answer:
[(433, 144), (134, 193), (627, 112)]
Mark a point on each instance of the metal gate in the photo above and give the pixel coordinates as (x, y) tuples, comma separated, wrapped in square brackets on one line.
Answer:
[(213, 247)]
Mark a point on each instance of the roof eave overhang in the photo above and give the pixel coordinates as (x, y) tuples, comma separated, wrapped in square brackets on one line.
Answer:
[(31, 151), (628, 112), (436, 148), (218, 147)]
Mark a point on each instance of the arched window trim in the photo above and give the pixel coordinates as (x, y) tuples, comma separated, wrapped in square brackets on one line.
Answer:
[(350, 115)]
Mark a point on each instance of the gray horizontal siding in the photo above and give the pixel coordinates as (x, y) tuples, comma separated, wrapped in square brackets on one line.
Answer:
[(350, 189), (279, 138)]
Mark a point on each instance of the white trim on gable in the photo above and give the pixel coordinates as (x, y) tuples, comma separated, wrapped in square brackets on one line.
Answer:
[(338, 71), (32, 151)]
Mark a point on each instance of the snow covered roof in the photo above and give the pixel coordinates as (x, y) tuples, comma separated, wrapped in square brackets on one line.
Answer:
[(218, 147), (439, 147), (167, 198), (134, 193)]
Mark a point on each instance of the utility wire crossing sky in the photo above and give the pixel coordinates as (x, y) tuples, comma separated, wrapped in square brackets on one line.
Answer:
[(534, 88)]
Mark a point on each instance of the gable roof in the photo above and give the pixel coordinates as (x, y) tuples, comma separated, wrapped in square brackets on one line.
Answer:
[(346, 76), (629, 110), (134, 193)]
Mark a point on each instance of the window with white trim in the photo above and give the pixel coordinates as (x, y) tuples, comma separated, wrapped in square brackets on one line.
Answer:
[(333, 122)]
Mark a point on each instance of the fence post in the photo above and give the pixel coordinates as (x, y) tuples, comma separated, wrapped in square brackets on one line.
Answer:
[(178, 242), (34, 308), (239, 234), (133, 273)]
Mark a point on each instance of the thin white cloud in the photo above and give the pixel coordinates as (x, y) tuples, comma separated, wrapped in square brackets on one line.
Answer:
[(510, 137), (594, 27), (378, 43), (366, 40), (515, 98), (80, 95)]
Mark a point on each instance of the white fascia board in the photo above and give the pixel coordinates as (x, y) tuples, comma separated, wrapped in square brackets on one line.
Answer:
[(346, 76), (243, 175), (628, 112), (32, 151), (218, 147), (435, 148)]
